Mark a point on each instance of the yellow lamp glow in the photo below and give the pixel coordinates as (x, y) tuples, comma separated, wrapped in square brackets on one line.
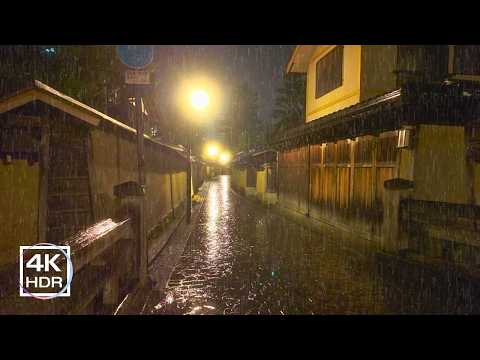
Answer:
[(225, 158), (199, 99)]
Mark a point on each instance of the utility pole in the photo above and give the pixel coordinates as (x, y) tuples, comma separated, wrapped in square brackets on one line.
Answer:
[(141, 181), (137, 58)]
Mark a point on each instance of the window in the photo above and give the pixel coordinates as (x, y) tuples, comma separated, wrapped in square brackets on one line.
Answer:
[(329, 72), (466, 60)]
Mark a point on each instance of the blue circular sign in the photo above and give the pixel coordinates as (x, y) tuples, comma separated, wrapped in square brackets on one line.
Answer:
[(135, 56)]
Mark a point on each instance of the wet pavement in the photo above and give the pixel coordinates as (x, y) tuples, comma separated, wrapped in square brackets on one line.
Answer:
[(245, 259)]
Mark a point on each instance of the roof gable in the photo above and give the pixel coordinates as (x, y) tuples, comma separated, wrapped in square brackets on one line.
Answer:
[(300, 58), (302, 55), (38, 91)]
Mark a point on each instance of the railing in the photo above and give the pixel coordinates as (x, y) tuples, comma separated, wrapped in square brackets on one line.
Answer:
[(100, 255), (88, 245)]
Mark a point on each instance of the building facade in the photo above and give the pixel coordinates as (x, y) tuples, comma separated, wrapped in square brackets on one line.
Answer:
[(67, 171), (390, 146)]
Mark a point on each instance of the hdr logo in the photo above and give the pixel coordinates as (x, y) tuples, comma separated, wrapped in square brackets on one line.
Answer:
[(46, 271)]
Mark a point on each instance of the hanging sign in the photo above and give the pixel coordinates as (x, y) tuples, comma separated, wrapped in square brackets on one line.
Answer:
[(137, 77)]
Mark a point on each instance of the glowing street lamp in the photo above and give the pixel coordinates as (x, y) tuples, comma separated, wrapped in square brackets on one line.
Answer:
[(199, 99), (212, 151)]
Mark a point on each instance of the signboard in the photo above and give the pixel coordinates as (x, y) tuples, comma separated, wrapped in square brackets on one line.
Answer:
[(135, 56), (137, 77)]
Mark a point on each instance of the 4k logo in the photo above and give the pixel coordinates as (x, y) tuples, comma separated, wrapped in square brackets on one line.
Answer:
[(45, 271)]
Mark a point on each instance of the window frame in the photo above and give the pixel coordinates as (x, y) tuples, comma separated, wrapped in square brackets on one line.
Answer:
[(323, 59)]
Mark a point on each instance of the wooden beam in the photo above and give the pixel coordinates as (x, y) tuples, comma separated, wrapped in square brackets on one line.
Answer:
[(86, 255), (91, 176), (30, 95), (61, 105), (16, 101), (43, 183)]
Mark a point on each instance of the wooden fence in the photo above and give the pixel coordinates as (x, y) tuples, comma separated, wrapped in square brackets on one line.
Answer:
[(341, 182)]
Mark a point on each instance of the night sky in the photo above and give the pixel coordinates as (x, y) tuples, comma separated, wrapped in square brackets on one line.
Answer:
[(262, 66)]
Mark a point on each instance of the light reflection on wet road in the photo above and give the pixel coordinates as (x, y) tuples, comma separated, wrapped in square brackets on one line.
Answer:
[(244, 259)]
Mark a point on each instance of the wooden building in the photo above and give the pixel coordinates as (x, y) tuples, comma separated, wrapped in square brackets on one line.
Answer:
[(60, 162), (255, 174), (390, 146)]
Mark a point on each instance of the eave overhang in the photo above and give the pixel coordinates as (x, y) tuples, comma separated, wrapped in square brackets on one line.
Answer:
[(441, 104), (255, 158), (300, 58)]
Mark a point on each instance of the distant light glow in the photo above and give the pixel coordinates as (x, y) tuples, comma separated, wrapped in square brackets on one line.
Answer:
[(212, 150), (199, 99), (225, 158)]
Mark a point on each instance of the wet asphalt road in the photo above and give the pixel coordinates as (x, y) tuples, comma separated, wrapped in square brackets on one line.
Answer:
[(244, 259)]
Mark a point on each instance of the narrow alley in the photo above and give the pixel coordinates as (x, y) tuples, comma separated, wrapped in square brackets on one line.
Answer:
[(245, 259)]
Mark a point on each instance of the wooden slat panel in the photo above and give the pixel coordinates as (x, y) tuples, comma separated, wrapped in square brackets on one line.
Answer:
[(387, 148), (328, 186), (343, 152), (362, 189), (343, 188), (383, 174), (364, 150), (345, 177), (293, 168)]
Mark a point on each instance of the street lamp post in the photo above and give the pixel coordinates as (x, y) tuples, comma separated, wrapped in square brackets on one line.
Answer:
[(199, 100), (137, 58), (189, 176)]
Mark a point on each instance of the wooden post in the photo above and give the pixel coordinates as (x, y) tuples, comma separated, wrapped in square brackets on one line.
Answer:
[(391, 221), (470, 165), (470, 168), (43, 187), (171, 195), (112, 282), (309, 179), (277, 175), (189, 180), (91, 175), (353, 143), (335, 174)]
